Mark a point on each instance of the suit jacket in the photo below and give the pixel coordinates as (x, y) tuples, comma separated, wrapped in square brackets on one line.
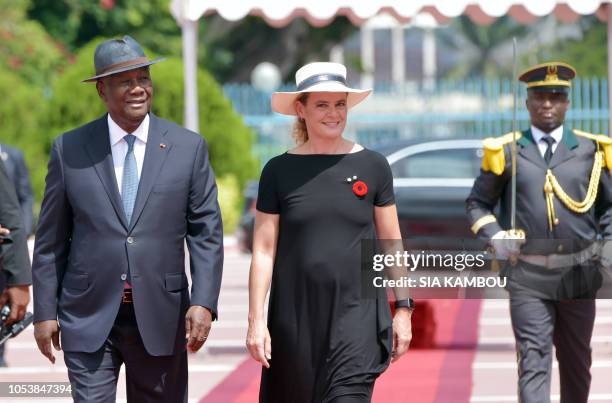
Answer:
[(571, 164), (84, 243), (14, 257), (17, 171)]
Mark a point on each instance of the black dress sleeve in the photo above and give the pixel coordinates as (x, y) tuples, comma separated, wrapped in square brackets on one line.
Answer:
[(267, 196), (384, 190)]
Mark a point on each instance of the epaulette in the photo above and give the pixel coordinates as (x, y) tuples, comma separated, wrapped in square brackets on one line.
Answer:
[(604, 143), (494, 159)]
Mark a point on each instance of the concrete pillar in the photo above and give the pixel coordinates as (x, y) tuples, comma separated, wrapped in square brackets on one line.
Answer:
[(190, 63), (367, 56)]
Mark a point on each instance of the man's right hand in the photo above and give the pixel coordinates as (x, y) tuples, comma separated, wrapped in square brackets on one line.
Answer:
[(18, 296), (506, 244), (45, 333), (3, 232)]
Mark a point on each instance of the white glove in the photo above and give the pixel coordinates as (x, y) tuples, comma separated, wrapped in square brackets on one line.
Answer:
[(507, 244), (605, 257)]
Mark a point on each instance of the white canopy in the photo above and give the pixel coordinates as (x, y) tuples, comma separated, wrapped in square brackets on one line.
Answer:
[(322, 12)]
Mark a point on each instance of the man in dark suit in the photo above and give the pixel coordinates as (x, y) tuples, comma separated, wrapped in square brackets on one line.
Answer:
[(19, 175), (17, 171), (563, 205), (123, 194), (15, 274)]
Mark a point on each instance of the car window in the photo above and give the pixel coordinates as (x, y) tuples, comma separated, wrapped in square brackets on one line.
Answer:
[(445, 163)]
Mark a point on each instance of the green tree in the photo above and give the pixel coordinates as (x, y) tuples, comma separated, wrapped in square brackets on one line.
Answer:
[(483, 41), (587, 54), (228, 49), (77, 22), (25, 46), (231, 49)]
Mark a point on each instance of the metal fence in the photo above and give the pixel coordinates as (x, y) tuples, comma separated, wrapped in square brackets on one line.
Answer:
[(447, 109)]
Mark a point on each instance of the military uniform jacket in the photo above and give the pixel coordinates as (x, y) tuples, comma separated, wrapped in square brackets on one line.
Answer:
[(571, 164)]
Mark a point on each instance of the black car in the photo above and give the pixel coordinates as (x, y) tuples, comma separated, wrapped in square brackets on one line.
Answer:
[(431, 180)]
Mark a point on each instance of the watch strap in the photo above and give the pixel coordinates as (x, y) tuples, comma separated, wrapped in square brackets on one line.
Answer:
[(405, 303)]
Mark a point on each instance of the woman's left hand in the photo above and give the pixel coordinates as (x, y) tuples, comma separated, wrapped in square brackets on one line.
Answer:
[(402, 332)]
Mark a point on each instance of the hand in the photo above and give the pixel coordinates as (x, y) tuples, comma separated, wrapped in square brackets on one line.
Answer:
[(197, 325), (3, 231), (45, 333), (506, 244), (402, 332), (259, 342), (19, 298), (605, 258)]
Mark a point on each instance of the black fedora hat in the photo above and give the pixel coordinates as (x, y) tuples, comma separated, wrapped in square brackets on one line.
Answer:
[(118, 55)]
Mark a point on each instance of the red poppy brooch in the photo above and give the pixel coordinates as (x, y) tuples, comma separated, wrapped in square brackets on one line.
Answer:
[(359, 187)]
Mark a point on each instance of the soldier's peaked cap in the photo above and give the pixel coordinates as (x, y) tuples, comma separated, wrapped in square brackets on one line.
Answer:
[(549, 77)]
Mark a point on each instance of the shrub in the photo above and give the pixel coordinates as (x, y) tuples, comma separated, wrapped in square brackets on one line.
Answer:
[(25, 47), (20, 111), (229, 201), (230, 140)]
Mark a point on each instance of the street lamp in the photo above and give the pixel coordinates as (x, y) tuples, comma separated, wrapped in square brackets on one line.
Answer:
[(266, 77)]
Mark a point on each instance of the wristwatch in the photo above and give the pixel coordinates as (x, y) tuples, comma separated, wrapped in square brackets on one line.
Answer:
[(405, 303)]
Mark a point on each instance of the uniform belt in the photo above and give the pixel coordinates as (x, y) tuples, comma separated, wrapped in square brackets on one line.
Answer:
[(556, 261), (127, 296)]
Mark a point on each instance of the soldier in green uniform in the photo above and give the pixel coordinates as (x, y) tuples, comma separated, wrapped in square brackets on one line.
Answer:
[(563, 205)]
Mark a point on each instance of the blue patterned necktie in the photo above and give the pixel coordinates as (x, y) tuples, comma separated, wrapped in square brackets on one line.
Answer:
[(129, 184)]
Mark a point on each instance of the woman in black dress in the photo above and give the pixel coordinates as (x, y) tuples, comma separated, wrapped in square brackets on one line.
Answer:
[(323, 342)]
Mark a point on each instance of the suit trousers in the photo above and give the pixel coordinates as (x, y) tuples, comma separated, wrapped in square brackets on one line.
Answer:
[(148, 378), (358, 394), (537, 325)]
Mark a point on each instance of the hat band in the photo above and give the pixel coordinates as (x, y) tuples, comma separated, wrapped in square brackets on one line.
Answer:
[(549, 83), (138, 60), (312, 80)]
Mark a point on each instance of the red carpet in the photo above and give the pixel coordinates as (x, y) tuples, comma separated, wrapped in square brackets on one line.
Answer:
[(241, 386), (442, 375)]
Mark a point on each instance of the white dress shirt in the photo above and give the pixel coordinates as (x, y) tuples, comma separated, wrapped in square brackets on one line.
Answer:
[(538, 135), (119, 147)]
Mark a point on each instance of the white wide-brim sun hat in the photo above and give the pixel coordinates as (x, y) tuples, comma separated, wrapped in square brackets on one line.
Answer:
[(318, 77)]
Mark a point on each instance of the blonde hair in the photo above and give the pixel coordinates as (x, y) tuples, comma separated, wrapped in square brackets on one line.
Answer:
[(300, 132)]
